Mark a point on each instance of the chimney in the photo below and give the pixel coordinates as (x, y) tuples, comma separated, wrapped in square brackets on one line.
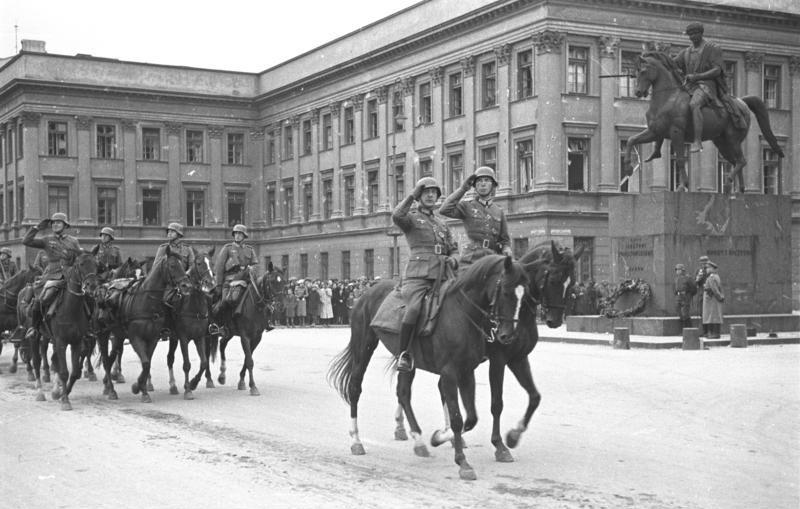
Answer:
[(33, 46)]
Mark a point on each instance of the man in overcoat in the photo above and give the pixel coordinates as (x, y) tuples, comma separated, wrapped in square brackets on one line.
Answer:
[(713, 298)]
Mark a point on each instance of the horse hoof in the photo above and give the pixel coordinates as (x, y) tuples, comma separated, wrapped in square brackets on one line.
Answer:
[(470, 423), (150, 386), (113, 395), (512, 438), (106, 391), (437, 439), (40, 397), (65, 405), (241, 385), (119, 378), (173, 390), (12, 369), (146, 398), (503, 456), (135, 388), (46, 377), (188, 395), (221, 379), (466, 473), (254, 391), (400, 434), (421, 451), (31, 377), (56, 394), (210, 384), (357, 450)]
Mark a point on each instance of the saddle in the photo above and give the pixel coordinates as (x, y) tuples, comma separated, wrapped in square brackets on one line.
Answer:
[(114, 291), (390, 314)]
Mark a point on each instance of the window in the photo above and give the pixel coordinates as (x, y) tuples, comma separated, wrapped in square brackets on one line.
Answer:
[(271, 147), (57, 199), (323, 266), (56, 139), (724, 171), (730, 77), (425, 167), (372, 118), (151, 207), (151, 143), (489, 157), (425, 108), (349, 195), (288, 203), (584, 265), (624, 173), (345, 264), (369, 264), (235, 208), (235, 148), (106, 142), (306, 137), (327, 132), (288, 142), (372, 191), (327, 198), (106, 205), (772, 88), (195, 205), (772, 172), (398, 109), (308, 200), (577, 70), (303, 265), (674, 178), (628, 65), (524, 74), (488, 84), (194, 146), (455, 170), (271, 204), (525, 165), (578, 160), (285, 265), (349, 126), (456, 107), (519, 246), (399, 182)]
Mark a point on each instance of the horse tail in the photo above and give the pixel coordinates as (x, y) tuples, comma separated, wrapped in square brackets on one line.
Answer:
[(759, 109), (213, 344), (357, 351)]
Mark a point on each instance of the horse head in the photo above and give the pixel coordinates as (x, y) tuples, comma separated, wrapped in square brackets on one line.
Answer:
[(552, 274), (129, 268), (657, 70), (172, 271), (202, 273), (83, 278), (274, 280), (507, 301)]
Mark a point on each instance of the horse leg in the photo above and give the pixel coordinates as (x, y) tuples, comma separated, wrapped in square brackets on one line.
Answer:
[(44, 342), (223, 343), (187, 366), (445, 434), (449, 387), (400, 428), (356, 365), (200, 346), (677, 139), (14, 358), (116, 370), (732, 152), (74, 373), (141, 348), (404, 381), (645, 136), (497, 369), (173, 344), (107, 361), (36, 363), (247, 366), (87, 353), (210, 349), (521, 369)]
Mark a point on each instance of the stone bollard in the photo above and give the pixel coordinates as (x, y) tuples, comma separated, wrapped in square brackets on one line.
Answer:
[(622, 338), (691, 339), (738, 335)]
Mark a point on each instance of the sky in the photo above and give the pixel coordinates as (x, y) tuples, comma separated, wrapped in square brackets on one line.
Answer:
[(233, 35)]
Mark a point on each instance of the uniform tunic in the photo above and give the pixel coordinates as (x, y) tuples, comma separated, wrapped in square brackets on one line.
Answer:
[(231, 259), (684, 291), (185, 252), (7, 269), (484, 221), (59, 248), (108, 255)]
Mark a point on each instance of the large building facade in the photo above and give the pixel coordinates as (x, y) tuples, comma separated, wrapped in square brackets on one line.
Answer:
[(314, 153)]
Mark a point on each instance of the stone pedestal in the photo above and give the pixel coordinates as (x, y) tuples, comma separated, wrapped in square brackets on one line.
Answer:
[(622, 338), (748, 236)]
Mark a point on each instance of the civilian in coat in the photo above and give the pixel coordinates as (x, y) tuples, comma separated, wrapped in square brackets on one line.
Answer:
[(713, 298)]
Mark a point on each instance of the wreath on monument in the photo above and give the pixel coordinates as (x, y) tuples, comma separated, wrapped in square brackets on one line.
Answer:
[(639, 286)]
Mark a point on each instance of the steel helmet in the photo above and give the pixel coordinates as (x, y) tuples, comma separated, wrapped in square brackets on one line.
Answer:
[(485, 171), (5, 250), (176, 227), (429, 183), (241, 229), (60, 216), (107, 231)]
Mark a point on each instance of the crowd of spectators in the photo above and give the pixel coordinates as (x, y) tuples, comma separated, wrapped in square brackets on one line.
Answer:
[(586, 298), (311, 303)]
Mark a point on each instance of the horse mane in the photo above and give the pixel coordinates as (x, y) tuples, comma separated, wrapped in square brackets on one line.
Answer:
[(665, 60), (478, 271)]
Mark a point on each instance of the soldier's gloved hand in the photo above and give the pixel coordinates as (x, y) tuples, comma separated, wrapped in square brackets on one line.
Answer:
[(469, 182), (452, 262), (417, 194), (43, 224), (508, 252)]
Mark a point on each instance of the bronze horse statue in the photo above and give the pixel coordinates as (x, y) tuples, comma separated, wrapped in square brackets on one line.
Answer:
[(669, 117)]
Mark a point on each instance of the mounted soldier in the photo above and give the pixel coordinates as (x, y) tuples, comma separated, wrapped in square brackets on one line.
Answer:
[(232, 261), (484, 220), (430, 244), (106, 253), (176, 246), (60, 249), (7, 266)]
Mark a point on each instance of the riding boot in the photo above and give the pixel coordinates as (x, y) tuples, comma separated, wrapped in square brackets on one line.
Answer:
[(697, 118), (405, 362)]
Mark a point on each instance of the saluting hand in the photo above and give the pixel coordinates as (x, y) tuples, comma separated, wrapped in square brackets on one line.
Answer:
[(469, 182), (418, 191), (43, 224)]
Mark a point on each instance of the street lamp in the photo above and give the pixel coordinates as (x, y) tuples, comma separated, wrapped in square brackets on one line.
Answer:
[(393, 231)]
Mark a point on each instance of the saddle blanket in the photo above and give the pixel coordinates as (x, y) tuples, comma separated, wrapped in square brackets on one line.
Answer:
[(390, 315)]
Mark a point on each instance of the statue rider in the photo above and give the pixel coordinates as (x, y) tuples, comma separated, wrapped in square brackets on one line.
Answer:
[(430, 244), (60, 249)]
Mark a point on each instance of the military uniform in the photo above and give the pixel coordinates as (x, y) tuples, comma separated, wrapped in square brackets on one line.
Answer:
[(177, 246), (108, 255), (59, 248), (485, 223), (7, 269), (684, 289)]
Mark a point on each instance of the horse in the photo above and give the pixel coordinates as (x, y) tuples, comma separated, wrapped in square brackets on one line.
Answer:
[(190, 320), (256, 313), (669, 116), (126, 274), (489, 292), (9, 320), (70, 323), (142, 313)]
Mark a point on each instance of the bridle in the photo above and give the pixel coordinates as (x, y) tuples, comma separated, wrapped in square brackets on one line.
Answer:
[(87, 281), (492, 315)]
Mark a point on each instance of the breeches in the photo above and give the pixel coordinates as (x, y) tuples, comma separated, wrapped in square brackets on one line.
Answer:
[(684, 309), (413, 291), (699, 98)]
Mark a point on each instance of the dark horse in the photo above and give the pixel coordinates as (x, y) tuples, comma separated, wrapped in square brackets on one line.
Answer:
[(9, 321), (190, 319), (70, 323), (551, 273), (254, 319), (489, 291), (670, 117), (142, 313)]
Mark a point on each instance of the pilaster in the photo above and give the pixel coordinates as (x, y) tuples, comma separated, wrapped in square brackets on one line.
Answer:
[(215, 215), (753, 63), (294, 122), (550, 153), (256, 204), (793, 162), (609, 145), (130, 213), (84, 181), (468, 104), (31, 122), (316, 191), (504, 157), (335, 109), (174, 187)]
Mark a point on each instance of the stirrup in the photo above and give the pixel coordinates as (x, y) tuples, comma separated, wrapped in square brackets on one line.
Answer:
[(405, 362), (214, 329)]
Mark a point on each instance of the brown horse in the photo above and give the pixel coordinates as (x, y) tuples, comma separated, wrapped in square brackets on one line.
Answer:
[(9, 320), (670, 117)]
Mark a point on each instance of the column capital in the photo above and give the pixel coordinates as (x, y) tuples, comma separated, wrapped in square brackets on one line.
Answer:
[(753, 61), (336, 108), (382, 93), (408, 85), (30, 118), (608, 45), (503, 54), (83, 123), (294, 120), (257, 133), (358, 102), (436, 75), (173, 128), (215, 132), (794, 65), (548, 41), (468, 65), (314, 116)]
